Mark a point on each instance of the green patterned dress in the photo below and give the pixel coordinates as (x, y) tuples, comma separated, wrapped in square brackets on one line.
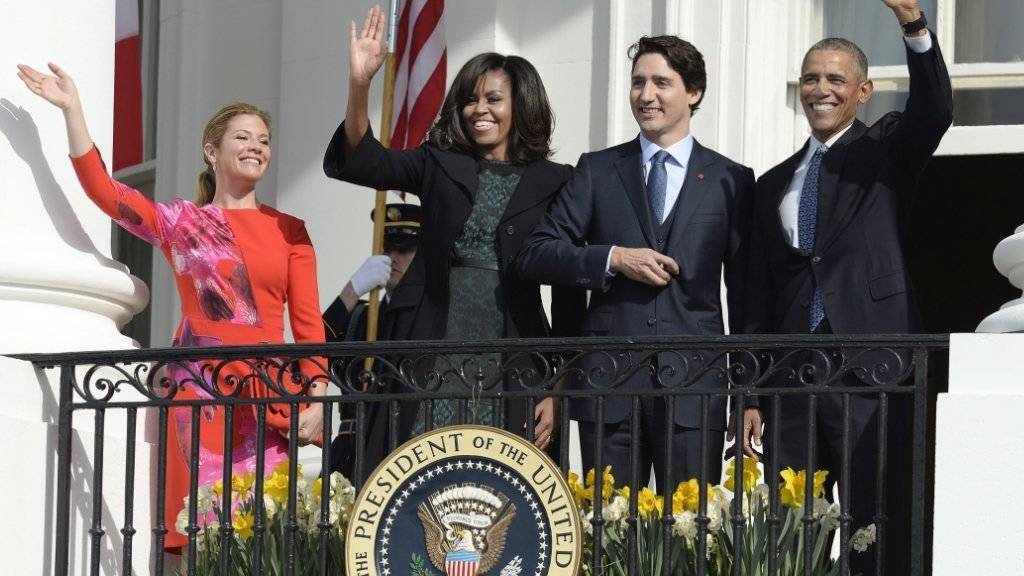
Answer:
[(476, 300)]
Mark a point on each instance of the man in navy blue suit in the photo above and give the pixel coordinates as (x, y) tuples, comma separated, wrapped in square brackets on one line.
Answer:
[(827, 255), (647, 226)]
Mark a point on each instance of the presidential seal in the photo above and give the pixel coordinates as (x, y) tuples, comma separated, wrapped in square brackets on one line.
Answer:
[(464, 501)]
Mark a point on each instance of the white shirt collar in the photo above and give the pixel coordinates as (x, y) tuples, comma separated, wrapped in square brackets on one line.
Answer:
[(815, 143), (680, 151)]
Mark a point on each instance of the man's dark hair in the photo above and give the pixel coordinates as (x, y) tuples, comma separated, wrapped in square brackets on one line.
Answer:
[(682, 56), (844, 45), (529, 137)]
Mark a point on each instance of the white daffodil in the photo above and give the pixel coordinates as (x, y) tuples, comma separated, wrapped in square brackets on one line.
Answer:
[(863, 538), (685, 525)]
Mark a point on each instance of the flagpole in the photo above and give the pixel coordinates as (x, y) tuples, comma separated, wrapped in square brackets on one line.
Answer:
[(380, 204)]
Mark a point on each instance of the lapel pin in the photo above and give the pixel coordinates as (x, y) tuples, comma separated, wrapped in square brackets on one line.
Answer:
[(700, 175)]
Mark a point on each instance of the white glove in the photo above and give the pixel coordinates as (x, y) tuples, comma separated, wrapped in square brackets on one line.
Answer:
[(374, 273)]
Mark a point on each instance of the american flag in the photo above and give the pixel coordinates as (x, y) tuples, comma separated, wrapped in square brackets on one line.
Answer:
[(461, 563), (421, 61), (127, 86)]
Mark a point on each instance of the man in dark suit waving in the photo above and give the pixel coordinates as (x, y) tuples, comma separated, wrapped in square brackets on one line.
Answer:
[(647, 225), (827, 252)]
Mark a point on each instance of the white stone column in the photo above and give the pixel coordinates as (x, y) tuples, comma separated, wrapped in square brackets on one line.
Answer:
[(59, 291), (1009, 260)]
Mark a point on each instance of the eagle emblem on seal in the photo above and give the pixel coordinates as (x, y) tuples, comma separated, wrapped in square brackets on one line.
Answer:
[(465, 526)]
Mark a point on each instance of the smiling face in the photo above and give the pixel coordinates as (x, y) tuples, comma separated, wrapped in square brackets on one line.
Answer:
[(243, 153), (660, 100), (831, 89), (487, 116)]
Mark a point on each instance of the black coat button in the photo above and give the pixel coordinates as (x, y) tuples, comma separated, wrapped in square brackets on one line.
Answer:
[(816, 259), (510, 230), (652, 321)]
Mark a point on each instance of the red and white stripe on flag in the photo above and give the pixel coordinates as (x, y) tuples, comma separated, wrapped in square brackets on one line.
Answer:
[(461, 568), (127, 86), (421, 61)]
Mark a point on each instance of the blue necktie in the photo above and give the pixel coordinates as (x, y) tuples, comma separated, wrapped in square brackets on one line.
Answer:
[(657, 182), (807, 222)]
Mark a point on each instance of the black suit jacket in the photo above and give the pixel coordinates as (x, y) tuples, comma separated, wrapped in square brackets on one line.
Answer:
[(867, 181), (605, 204), (446, 183)]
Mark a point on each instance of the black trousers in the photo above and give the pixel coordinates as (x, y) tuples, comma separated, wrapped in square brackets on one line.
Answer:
[(867, 505), (654, 447)]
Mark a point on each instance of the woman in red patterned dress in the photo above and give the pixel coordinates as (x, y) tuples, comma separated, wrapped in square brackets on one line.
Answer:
[(236, 263)]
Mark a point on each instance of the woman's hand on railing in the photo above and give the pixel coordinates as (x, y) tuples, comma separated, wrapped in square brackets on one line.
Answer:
[(311, 424)]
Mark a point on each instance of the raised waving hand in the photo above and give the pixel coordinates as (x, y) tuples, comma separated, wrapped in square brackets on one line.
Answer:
[(367, 51), (367, 48), (60, 90)]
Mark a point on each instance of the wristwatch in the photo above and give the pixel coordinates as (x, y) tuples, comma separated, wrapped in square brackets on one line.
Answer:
[(915, 26)]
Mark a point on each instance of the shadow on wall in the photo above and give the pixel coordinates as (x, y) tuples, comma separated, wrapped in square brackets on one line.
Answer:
[(21, 131)]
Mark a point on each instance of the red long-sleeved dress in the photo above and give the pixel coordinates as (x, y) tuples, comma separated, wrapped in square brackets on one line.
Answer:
[(235, 269)]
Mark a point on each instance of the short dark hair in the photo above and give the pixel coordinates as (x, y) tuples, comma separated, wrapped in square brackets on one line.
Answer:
[(529, 137), (843, 45), (682, 56)]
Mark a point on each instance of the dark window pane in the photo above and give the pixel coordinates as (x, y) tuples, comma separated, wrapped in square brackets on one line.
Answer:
[(988, 107), (880, 104), (989, 31), (872, 26), (994, 106)]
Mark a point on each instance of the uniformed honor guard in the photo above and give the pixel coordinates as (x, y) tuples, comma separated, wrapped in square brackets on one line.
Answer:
[(345, 319), (400, 274)]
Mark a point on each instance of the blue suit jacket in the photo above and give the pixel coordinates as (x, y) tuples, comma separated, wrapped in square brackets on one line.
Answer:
[(605, 204)]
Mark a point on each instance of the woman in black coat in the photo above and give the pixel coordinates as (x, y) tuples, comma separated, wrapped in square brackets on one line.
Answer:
[(484, 182)]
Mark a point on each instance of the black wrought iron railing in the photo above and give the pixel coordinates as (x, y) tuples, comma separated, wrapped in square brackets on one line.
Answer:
[(452, 382)]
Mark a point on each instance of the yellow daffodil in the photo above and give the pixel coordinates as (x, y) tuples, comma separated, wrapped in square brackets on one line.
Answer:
[(794, 485), (241, 485), (624, 492), (607, 486), (218, 488), (751, 474), (687, 496), (242, 523), (577, 489), (276, 486), (649, 504)]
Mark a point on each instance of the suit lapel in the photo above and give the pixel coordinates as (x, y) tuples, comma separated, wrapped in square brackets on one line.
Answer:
[(834, 209), (531, 190), (461, 168), (632, 176), (695, 188)]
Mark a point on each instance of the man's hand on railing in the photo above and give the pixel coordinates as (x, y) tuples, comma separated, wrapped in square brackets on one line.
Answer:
[(545, 415), (753, 425)]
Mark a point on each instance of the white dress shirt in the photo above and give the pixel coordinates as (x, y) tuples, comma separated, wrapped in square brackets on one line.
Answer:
[(675, 171), (789, 207)]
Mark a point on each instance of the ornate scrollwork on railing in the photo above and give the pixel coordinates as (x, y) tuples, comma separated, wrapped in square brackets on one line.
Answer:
[(473, 369)]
